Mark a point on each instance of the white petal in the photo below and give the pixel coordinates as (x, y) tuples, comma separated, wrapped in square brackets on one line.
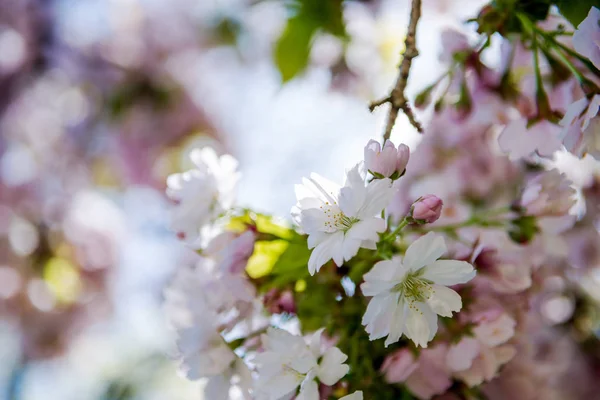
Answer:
[(379, 314), (387, 270), (379, 195), (349, 248), (421, 324), (309, 391), (424, 251), (449, 272), (315, 343), (326, 189), (358, 395), (367, 229), (315, 238), (444, 301), (331, 368), (217, 387), (282, 384), (324, 252), (352, 195), (574, 111), (397, 323)]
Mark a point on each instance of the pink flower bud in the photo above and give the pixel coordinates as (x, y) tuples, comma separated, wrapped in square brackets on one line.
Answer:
[(386, 162), (403, 157), (427, 209)]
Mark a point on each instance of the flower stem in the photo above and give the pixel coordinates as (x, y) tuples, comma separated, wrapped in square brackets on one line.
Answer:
[(395, 232)]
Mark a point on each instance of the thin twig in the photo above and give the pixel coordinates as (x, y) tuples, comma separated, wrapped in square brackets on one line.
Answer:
[(397, 98)]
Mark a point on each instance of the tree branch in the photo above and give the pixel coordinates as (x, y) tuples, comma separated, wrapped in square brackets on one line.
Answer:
[(397, 98)]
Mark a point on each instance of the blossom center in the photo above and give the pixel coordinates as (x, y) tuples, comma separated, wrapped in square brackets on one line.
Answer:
[(414, 289), (336, 220)]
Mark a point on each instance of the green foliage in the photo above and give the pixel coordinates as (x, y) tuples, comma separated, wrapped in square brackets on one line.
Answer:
[(309, 17), (126, 97), (522, 229), (576, 10)]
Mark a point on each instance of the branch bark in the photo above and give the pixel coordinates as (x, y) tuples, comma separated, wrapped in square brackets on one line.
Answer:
[(397, 98)]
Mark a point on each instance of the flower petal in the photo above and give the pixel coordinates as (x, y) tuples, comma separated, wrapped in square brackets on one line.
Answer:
[(352, 195), (421, 324), (444, 301), (332, 367), (358, 395), (367, 229), (449, 272), (397, 323), (378, 315), (309, 391), (325, 251), (417, 327), (424, 251), (379, 194)]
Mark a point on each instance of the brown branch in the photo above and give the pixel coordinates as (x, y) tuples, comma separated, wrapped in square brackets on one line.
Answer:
[(397, 98)]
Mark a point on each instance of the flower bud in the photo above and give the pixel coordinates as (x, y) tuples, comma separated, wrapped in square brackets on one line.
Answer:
[(402, 159), (388, 162), (426, 209)]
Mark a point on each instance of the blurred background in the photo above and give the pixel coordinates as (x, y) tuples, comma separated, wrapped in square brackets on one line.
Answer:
[(101, 99)]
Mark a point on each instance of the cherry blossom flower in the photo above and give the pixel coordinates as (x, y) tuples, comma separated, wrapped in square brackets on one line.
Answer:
[(339, 221), (427, 209), (201, 194), (548, 194), (580, 127), (408, 293), (586, 39), (288, 362), (425, 377), (388, 161), (477, 359), (231, 250), (520, 141)]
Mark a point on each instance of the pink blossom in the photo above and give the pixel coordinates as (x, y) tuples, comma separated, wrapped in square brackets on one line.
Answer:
[(426, 377), (586, 38), (388, 161), (231, 250), (453, 41), (580, 126), (548, 194), (427, 209), (495, 332), (520, 141), (398, 366), (477, 359)]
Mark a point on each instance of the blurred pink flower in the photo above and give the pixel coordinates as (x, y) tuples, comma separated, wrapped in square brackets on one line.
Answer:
[(426, 377), (520, 141), (548, 194), (586, 38)]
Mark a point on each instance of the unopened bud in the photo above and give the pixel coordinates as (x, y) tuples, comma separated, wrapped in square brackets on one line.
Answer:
[(388, 162), (426, 209)]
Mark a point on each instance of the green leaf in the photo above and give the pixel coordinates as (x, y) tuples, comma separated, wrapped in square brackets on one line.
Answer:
[(264, 258), (576, 10), (293, 48), (292, 51)]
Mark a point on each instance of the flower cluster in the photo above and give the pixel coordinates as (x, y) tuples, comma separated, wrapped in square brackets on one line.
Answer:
[(384, 290)]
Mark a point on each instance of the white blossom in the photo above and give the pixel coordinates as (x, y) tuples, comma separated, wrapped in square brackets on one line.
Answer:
[(288, 362), (340, 220), (408, 294), (358, 395), (202, 304), (202, 193)]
